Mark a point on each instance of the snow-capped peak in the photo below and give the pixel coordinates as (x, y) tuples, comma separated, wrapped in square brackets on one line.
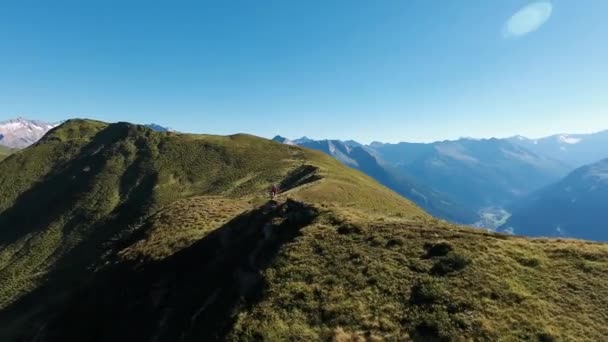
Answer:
[(21, 132)]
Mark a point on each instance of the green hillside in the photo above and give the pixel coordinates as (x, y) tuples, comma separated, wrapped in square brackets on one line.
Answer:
[(122, 233), (5, 152)]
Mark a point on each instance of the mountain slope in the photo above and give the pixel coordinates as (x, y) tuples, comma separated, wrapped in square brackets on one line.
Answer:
[(574, 206), (316, 276), (575, 150), (478, 173), (119, 233), (5, 152), (20, 132), (359, 157), (86, 183)]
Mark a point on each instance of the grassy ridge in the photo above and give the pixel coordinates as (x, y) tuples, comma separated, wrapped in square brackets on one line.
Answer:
[(344, 276), (429, 281), (4, 152), (170, 237), (86, 184)]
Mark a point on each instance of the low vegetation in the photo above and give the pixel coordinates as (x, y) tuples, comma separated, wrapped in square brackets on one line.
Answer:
[(440, 282), (172, 237), (5, 152)]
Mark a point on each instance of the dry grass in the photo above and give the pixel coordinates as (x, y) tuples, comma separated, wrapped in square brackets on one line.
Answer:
[(380, 279), (181, 224)]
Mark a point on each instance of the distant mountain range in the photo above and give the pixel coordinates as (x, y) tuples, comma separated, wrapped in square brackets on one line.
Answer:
[(552, 186), (359, 157), (472, 181), (20, 132), (480, 173), (457, 180), (576, 206), (574, 149)]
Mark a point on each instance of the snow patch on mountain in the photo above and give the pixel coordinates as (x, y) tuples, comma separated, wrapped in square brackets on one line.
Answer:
[(566, 139)]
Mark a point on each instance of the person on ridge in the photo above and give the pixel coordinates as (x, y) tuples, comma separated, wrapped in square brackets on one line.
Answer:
[(274, 191)]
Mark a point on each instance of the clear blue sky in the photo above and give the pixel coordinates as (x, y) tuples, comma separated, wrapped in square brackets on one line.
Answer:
[(367, 70)]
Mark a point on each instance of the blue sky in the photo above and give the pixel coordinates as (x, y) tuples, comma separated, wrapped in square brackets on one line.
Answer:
[(418, 70)]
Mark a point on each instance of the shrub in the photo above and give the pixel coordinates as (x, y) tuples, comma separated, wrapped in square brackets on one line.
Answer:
[(528, 262), (396, 241), (377, 241), (437, 249), (546, 337), (426, 292), (348, 228), (450, 263), (426, 331)]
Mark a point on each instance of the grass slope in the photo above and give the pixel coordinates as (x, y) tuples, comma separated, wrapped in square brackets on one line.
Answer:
[(129, 234), (5, 152), (429, 281), (86, 184)]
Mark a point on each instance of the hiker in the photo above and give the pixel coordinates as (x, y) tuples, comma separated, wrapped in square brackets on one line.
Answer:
[(274, 191)]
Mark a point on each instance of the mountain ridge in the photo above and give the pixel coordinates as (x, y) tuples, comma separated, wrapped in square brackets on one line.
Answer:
[(475, 175), (360, 157), (172, 236), (575, 149), (571, 207)]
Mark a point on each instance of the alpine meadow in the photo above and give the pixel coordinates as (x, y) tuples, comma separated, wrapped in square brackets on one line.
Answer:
[(145, 235)]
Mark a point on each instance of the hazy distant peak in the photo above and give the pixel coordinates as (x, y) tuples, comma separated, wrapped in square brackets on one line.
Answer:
[(518, 137), (303, 140), (159, 128), (283, 140)]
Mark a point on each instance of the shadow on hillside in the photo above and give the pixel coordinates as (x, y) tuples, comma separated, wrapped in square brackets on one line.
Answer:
[(192, 295), (302, 175), (59, 192)]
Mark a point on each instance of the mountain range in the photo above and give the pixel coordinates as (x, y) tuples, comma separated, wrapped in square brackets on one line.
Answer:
[(117, 232), (481, 173), (477, 182), (575, 150), (359, 157), (456, 180)]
